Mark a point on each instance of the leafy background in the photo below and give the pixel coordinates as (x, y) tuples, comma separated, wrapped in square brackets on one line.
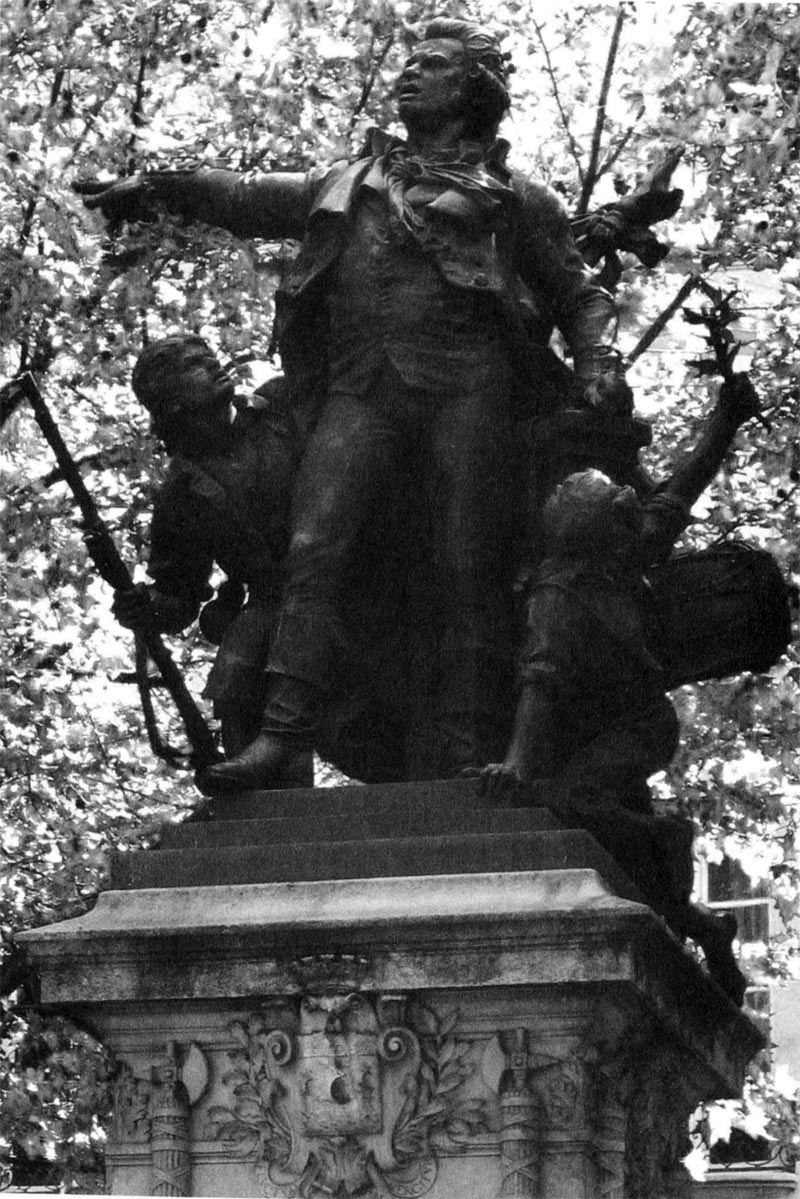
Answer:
[(98, 88)]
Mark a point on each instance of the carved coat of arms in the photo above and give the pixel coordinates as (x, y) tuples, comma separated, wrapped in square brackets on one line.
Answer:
[(343, 1097)]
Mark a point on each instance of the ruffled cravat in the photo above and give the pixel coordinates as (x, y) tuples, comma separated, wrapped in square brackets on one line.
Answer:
[(464, 191)]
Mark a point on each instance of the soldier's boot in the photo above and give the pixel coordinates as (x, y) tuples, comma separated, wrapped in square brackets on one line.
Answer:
[(266, 763)]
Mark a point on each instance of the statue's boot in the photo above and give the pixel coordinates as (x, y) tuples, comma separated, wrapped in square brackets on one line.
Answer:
[(287, 731), (238, 734), (260, 766)]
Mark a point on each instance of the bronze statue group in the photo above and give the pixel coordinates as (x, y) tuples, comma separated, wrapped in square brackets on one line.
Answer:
[(441, 554)]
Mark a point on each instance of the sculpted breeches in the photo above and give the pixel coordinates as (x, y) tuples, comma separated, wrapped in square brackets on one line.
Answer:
[(365, 450)]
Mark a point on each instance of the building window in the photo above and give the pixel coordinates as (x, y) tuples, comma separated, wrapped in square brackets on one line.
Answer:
[(724, 887)]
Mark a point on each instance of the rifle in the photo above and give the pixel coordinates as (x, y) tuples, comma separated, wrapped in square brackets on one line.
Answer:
[(110, 566)]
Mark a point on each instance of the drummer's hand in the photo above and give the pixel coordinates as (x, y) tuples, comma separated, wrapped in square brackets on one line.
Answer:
[(502, 781), (120, 200), (738, 399)]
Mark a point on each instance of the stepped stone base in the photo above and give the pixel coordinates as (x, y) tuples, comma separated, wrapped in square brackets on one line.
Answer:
[(479, 1005)]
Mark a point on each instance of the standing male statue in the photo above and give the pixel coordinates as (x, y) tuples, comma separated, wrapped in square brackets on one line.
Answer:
[(412, 328)]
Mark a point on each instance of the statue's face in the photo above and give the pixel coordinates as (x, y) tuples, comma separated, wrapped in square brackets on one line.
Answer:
[(430, 90), (589, 516), (202, 387), (197, 398)]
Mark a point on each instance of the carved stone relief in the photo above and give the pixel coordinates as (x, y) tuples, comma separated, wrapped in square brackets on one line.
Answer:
[(541, 1095), (641, 1099), (157, 1111), (519, 1134), (661, 1101), (346, 1093), (130, 1099)]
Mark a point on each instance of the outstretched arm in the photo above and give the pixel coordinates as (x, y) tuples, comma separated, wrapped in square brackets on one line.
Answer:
[(273, 205), (668, 511)]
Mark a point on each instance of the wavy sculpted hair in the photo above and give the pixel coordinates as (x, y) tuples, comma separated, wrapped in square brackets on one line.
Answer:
[(487, 75)]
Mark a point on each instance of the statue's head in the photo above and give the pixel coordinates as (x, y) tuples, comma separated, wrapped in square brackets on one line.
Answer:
[(588, 517), (457, 70), (181, 383)]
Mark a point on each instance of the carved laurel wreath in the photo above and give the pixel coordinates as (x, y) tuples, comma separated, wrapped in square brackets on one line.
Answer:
[(433, 1112)]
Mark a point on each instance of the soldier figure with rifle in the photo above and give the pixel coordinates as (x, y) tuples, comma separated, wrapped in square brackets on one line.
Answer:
[(110, 566), (225, 500)]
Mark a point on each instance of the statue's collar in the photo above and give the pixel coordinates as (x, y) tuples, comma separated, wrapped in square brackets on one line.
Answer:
[(380, 143)]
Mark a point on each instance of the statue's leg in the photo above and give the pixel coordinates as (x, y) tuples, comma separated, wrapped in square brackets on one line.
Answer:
[(475, 503), (656, 853), (617, 763), (350, 461), (237, 684)]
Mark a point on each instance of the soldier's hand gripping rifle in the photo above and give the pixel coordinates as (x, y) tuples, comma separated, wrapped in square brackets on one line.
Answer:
[(110, 566)]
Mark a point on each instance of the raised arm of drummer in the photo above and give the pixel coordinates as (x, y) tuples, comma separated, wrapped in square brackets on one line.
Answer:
[(667, 511)]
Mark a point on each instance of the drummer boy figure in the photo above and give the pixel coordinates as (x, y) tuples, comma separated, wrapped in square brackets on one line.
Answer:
[(592, 717), (592, 709)]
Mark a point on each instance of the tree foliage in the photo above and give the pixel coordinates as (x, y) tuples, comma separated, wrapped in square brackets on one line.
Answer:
[(106, 87)]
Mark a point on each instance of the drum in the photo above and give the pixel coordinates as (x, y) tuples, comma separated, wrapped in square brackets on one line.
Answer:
[(721, 611)]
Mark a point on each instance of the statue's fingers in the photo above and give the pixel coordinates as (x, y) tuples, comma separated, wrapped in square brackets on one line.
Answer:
[(119, 199), (89, 187), (495, 781)]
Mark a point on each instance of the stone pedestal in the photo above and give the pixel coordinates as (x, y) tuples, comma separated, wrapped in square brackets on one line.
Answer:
[(453, 1002)]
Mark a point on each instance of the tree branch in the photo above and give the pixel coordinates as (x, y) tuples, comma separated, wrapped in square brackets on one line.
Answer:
[(591, 176), (613, 155), (98, 460), (137, 111), (30, 208), (662, 320), (573, 145), (39, 357), (377, 62)]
